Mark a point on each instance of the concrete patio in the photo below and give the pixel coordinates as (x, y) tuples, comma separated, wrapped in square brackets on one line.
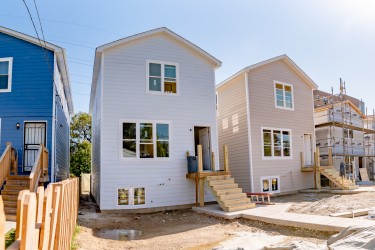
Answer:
[(277, 214)]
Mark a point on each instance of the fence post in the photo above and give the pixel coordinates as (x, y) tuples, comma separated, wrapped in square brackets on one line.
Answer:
[(28, 222)]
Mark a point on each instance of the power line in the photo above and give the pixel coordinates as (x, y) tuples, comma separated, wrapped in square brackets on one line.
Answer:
[(41, 45), (90, 65), (80, 93), (81, 82), (81, 75), (75, 58), (72, 23), (40, 23), (80, 45)]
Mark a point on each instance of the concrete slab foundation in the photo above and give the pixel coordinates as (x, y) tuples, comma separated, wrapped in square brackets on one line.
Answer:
[(277, 214)]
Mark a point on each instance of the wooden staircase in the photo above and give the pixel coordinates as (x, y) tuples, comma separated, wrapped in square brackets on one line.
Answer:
[(12, 186), (227, 193), (334, 176)]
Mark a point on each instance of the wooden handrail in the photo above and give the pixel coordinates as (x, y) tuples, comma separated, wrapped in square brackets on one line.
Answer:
[(39, 168), (5, 163)]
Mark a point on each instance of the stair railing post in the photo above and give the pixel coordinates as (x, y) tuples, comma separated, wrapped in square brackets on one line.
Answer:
[(315, 169), (317, 173), (330, 160), (201, 180), (226, 160), (200, 158)]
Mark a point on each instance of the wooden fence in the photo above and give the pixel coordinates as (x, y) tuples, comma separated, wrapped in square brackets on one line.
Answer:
[(45, 219)]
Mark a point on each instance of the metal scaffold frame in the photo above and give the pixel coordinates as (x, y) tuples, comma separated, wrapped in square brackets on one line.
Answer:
[(340, 116)]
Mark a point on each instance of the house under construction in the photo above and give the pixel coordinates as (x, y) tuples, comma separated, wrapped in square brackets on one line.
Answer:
[(344, 134)]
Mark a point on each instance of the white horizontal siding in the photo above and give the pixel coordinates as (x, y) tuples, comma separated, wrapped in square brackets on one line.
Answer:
[(96, 142), (125, 98)]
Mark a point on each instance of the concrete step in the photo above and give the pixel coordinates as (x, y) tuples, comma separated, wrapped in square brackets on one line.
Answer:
[(224, 186), (232, 196), (221, 182), (228, 191), (239, 207)]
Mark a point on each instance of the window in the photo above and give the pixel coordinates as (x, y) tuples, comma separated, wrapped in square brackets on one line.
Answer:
[(131, 196), (145, 140), (6, 74), (348, 133), (284, 95), (162, 77), (276, 143), (270, 184)]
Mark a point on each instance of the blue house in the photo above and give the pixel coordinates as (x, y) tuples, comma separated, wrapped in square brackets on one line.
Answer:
[(35, 103)]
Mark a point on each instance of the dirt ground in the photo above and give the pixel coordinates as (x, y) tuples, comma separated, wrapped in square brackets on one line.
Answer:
[(180, 229), (326, 204)]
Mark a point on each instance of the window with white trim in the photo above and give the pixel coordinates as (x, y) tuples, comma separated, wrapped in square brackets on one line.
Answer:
[(162, 77), (276, 143), (145, 140), (284, 95), (6, 74), (270, 184)]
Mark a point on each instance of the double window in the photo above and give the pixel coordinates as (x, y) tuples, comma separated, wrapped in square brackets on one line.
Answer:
[(162, 77), (284, 95), (270, 184), (276, 143), (6, 74), (145, 140)]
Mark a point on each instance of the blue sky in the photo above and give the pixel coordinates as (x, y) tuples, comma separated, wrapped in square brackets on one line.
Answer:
[(327, 39)]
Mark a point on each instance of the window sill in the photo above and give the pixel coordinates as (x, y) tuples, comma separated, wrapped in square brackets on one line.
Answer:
[(161, 93), (276, 158), (146, 159), (284, 108)]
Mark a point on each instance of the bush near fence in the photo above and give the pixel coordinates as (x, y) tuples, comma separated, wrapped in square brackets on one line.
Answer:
[(45, 219)]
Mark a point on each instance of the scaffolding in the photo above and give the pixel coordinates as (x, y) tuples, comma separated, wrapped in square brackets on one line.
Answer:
[(344, 129)]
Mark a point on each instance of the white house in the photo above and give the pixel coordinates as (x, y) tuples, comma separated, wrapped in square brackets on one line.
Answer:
[(152, 100)]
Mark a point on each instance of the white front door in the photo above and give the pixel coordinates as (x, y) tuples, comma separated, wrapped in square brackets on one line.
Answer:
[(307, 149), (204, 140)]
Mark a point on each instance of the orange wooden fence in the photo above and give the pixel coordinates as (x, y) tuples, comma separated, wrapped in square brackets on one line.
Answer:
[(45, 219)]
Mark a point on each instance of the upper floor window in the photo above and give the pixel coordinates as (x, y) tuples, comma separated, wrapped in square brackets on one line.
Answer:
[(162, 77), (284, 95), (145, 140), (6, 74)]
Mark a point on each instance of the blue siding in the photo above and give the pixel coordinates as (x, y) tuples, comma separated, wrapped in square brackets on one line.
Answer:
[(62, 142), (31, 98)]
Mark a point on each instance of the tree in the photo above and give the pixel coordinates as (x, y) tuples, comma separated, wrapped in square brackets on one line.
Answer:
[(80, 159), (80, 144), (80, 128)]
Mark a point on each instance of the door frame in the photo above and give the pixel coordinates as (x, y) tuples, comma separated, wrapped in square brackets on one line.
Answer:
[(23, 141), (210, 141), (311, 148)]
